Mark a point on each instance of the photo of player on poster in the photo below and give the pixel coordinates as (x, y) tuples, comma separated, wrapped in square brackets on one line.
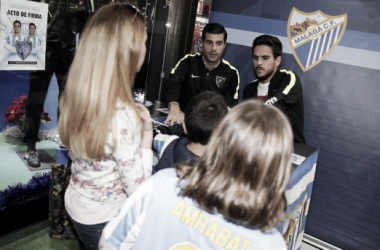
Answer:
[(23, 35)]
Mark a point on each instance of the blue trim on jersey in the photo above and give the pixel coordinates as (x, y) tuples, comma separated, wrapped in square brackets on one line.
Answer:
[(36, 41)]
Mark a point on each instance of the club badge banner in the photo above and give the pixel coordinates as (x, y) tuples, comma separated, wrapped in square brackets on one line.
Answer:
[(23, 35), (312, 36)]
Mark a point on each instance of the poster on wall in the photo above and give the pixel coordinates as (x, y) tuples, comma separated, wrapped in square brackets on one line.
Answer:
[(23, 35)]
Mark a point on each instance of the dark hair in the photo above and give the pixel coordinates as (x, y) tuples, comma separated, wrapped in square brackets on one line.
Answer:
[(203, 114), (17, 21), (270, 41), (243, 175), (32, 24), (214, 28)]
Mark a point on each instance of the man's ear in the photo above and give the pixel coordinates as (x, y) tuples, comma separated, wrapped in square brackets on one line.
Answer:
[(277, 61), (184, 128)]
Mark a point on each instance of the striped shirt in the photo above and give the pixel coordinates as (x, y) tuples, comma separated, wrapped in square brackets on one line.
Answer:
[(11, 39), (36, 41)]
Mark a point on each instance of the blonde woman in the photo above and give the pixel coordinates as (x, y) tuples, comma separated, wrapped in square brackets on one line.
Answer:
[(232, 198), (109, 136)]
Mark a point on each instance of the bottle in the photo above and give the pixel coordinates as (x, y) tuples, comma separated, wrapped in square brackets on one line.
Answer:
[(200, 7)]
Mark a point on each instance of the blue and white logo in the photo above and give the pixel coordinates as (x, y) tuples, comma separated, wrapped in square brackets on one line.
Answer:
[(312, 36)]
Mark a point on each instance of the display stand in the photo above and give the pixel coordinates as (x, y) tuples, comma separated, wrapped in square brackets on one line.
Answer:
[(298, 195)]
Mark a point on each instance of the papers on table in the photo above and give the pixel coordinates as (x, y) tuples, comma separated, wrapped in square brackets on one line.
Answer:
[(297, 159)]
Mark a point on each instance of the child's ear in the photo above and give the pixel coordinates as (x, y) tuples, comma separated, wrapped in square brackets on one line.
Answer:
[(184, 128)]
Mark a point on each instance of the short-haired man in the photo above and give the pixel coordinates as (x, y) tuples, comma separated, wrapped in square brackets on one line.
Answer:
[(202, 115), (280, 88), (196, 73), (36, 41), (16, 36)]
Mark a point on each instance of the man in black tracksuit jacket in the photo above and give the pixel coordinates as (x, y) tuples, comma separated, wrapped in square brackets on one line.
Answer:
[(191, 77), (197, 73), (280, 88), (285, 92)]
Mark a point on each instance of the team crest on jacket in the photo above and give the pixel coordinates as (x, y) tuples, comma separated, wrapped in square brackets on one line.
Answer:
[(312, 36), (23, 49), (220, 81)]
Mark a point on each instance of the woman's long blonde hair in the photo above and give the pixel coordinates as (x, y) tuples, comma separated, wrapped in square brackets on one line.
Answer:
[(103, 72), (244, 173)]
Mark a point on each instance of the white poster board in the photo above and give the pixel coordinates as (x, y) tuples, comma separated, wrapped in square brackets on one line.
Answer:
[(23, 31)]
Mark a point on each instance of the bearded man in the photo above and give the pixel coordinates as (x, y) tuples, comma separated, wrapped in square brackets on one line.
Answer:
[(206, 71), (280, 88)]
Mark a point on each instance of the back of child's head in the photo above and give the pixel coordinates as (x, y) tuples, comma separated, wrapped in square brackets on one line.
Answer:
[(244, 173), (203, 114)]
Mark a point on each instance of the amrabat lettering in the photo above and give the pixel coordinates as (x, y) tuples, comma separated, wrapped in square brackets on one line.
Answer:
[(211, 231), (223, 236), (235, 242), (200, 222), (190, 218)]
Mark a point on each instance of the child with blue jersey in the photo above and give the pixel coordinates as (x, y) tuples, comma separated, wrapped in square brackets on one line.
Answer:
[(232, 198)]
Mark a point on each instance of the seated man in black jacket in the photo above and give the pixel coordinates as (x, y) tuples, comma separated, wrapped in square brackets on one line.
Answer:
[(280, 88), (206, 71), (202, 116)]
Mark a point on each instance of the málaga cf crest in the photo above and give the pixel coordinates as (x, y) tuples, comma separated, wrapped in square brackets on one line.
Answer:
[(23, 49), (312, 36)]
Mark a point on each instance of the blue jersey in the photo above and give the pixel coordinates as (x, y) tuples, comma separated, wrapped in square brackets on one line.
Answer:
[(11, 39), (156, 217), (36, 41)]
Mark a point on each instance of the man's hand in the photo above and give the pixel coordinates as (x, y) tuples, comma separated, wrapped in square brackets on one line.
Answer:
[(175, 116)]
